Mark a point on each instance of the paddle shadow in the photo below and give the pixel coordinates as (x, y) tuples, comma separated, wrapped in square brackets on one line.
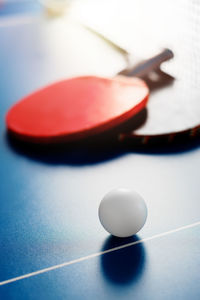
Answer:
[(102, 147), (93, 150), (124, 266)]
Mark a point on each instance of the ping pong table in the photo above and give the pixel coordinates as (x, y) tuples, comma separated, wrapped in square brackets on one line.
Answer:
[(52, 245)]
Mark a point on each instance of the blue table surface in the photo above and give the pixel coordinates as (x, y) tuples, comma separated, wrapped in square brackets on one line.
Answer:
[(8, 8), (49, 200)]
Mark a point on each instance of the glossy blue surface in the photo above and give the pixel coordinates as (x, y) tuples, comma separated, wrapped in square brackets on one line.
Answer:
[(49, 198), (166, 268), (8, 8)]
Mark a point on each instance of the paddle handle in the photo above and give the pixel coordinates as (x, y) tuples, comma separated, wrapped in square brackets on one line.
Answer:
[(149, 65)]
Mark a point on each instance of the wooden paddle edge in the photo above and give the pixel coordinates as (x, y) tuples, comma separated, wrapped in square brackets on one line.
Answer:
[(160, 139)]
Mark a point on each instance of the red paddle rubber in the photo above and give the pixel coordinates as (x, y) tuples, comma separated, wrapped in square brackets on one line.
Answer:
[(76, 108)]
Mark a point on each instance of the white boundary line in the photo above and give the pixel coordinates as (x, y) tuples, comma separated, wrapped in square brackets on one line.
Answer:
[(17, 20), (16, 1), (98, 254)]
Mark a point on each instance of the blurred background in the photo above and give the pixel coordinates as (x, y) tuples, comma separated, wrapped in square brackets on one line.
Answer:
[(64, 38)]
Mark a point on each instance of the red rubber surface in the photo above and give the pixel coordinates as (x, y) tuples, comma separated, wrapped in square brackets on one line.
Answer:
[(76, 108)]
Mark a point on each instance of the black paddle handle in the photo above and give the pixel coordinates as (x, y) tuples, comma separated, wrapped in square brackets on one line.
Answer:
[(149, 65)]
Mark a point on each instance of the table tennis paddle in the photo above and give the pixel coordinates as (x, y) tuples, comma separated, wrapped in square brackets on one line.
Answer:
[(77, 108), (55, 8), (173, 111), (173, 115)]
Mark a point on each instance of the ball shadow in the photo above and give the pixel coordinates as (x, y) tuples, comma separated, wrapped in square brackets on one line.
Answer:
[(124, 266)]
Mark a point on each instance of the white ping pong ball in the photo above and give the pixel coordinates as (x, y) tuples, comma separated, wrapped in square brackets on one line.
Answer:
[(122, 212)]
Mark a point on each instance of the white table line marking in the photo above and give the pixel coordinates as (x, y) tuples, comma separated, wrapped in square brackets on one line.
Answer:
[(97, 254), (17, 20)]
